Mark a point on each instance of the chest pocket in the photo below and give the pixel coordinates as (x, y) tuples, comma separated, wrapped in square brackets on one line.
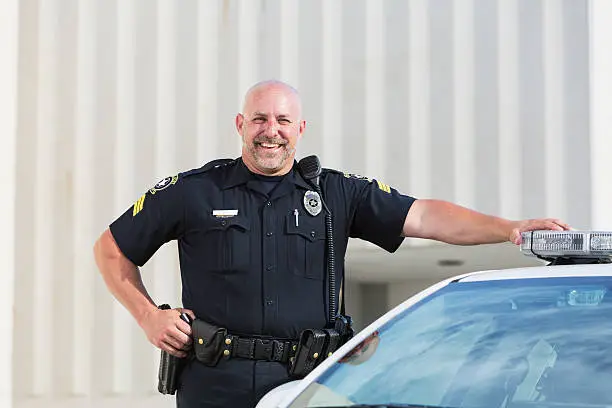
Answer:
[(228, 241), (306, 246)]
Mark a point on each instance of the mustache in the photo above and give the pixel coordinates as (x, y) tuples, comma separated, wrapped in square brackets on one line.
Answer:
[(278, 141)]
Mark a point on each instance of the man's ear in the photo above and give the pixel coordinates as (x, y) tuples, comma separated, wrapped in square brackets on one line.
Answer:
[(239, 123), (302, 128)]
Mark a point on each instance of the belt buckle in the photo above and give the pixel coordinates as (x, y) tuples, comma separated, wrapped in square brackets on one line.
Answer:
[(265, 347)]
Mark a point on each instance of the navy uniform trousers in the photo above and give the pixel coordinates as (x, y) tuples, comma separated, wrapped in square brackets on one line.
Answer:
[(235, 383)]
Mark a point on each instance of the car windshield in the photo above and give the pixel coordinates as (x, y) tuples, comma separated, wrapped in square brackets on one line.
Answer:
[(509, 343)]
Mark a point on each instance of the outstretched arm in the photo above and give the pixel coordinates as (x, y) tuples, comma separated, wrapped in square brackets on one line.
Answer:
[(447, 222)]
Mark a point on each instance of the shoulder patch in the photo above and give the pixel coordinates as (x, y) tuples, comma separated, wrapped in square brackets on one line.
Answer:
[(356, 176), (384, 187), (138, 205), (164, 184)]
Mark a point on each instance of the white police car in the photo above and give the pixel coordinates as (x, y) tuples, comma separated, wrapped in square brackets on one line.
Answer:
[(515, 338)]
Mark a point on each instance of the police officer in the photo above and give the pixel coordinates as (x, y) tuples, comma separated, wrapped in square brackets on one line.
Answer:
[(252, 248)]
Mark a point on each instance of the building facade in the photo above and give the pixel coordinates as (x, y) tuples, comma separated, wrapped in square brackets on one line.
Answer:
[(499, 105)]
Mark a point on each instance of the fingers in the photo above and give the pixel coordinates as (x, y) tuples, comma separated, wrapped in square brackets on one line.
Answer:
[(179, 336), (558, 225), (551, 224), (176, 338), (563, 225), (184, 328), (545, 224), (170, 343), (172, 350), (189, 312), (516, 237), (167, 331)]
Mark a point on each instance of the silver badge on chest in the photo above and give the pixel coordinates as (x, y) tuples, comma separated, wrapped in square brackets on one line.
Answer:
[(312, 203)]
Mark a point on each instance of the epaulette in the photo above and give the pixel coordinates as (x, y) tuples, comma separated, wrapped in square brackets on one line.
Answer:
[(326, 170), (208, 166), (347, 175), (382, 186)]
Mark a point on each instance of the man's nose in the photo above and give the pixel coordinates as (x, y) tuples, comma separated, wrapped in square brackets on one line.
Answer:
[(272, 127)]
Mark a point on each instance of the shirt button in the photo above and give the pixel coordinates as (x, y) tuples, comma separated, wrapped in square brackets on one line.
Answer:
[(269, 302), (269, 267), (224, 223), (313, 234), (269, 234), (268, 203)]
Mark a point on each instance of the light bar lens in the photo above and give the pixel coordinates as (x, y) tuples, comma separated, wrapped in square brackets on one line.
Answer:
[(552, 244), (601, 242)]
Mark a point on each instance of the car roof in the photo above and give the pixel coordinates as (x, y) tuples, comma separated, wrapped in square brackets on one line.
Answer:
[(539, 272)]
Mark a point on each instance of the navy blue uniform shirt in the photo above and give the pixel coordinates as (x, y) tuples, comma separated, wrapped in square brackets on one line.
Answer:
[(252, 258)]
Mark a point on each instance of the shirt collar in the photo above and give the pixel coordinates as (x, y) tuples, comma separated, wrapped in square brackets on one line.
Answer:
[(239, 174)]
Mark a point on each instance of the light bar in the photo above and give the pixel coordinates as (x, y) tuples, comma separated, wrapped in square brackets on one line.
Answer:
[(569, 244)]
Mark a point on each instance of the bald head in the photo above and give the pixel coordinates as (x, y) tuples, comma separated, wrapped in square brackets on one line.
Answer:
[(270, 125), (272, 86)]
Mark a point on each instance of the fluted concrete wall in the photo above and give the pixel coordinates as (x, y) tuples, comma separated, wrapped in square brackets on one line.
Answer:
[(9, 29), (474, 101)]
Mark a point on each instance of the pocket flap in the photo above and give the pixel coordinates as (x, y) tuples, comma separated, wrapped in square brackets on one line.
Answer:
[(223, 223), (313, 229)]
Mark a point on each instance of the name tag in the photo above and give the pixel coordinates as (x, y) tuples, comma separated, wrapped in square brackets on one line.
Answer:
[(224, 213)]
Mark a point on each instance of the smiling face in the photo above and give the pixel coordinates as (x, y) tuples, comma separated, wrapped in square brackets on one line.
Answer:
[(270, 126)]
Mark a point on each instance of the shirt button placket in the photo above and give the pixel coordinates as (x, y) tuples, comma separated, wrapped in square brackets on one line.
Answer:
[(269, 251)]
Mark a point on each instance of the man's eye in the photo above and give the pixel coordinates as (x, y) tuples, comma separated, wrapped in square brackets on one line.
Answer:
[(259, 120), (284, 121)]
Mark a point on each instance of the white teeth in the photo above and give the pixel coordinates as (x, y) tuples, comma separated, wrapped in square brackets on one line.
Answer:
[(269, 145)]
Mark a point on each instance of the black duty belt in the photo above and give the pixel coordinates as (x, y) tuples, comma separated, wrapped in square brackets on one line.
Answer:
[(259, 349), (212, 343)]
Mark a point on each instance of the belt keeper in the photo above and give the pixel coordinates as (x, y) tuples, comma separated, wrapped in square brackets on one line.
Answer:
[(252, 349)]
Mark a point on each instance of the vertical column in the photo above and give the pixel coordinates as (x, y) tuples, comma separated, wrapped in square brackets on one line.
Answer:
[(44, 197), (375, 115), (289, 41), (166, 86), (84, 199), (164, 261), (463, 80), (554, 139), (124, 181), (9, 42), (248, 50), (601, 112), (419, 129), (208, 75), (332, 84), (508, 82)]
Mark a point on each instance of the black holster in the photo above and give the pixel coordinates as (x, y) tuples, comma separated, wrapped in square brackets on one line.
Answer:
[(308, 353), (315, 345), (170, 367), (207, 348)]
